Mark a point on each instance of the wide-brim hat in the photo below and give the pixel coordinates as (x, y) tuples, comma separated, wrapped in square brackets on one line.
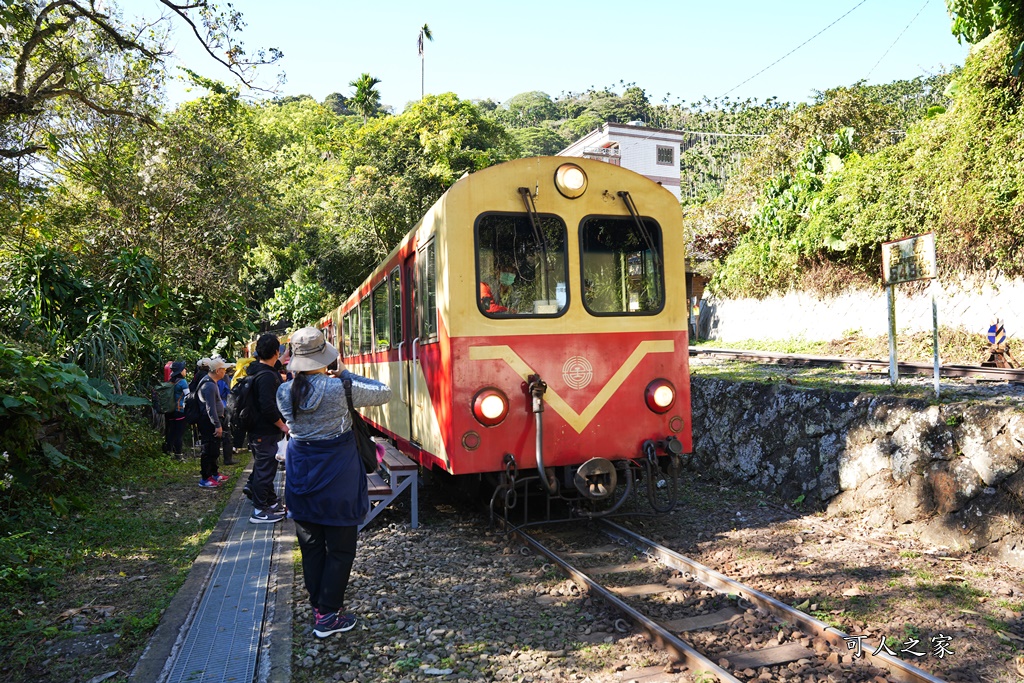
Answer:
[(310, 350)]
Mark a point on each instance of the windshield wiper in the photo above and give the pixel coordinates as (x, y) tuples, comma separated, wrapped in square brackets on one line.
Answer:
[(644, 232), (538, 234)]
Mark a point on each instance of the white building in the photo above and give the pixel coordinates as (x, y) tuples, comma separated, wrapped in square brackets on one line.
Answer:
[(651, 152)]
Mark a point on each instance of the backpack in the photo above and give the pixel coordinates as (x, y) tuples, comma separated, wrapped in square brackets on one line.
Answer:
[(194, 410), (241, 405), (163, 398)]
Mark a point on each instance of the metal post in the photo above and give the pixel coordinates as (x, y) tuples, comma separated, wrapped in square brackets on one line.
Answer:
[(935, 336), (894, 375)]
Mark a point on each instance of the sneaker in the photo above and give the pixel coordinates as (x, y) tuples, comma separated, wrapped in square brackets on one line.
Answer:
[(247, 492), (277, 508), (265, 517), (210, 483), (333, 622), (221, 477)]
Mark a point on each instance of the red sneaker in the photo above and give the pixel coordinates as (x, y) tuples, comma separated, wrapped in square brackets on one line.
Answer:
[(221, 477)]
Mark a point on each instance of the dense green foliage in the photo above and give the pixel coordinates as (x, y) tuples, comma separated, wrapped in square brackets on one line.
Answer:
[(863, 165)]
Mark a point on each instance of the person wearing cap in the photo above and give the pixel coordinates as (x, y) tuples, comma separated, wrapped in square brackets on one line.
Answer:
[(174, 422), (267, 428), (327, 492), (211, 424), (202, 368), (227, 441)]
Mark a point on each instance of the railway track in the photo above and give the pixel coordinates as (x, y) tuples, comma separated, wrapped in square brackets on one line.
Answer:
[(881, 366), (710, 623)]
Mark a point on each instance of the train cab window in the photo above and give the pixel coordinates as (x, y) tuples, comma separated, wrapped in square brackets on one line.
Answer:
[(381, 322), (521, 268), (426, 291), (365, 326), (622, 266), (395, 283)]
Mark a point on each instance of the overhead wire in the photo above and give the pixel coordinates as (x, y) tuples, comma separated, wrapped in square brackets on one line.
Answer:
[(926, 3), (794, 49)]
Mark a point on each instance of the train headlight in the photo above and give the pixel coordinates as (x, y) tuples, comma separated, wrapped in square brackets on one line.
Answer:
[(660, 395), (490, 406), (571, 181)]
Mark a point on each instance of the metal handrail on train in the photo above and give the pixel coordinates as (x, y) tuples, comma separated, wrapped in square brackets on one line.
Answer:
[(415, 377), (401, 373)]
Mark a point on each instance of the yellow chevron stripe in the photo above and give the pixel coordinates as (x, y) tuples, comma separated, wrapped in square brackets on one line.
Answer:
[(577, 421)]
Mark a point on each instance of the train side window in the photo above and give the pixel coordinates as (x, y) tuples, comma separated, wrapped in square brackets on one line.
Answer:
[(622, 266), (521, 268), (381, 324), (354, 314), (395, 282), (427, 293), (365, 326), (346, 336)]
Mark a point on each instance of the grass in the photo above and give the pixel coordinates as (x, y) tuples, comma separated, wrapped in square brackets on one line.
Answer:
[(111, 564)]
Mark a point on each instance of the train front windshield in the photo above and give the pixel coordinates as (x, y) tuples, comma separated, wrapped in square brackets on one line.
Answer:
[(521, 265), (622, 266)]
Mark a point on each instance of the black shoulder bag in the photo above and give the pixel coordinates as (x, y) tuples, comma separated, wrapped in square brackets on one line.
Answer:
[(364, 444)]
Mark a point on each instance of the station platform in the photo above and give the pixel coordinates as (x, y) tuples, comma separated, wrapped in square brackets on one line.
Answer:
[(231, 621)]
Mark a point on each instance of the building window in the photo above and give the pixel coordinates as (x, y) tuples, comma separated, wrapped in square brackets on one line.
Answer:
[(666, 155)]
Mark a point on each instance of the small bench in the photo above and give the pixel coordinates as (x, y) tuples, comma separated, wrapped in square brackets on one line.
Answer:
[(396, 474)]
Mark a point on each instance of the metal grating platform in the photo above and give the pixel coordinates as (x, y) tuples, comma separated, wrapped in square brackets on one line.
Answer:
[(222, 638)]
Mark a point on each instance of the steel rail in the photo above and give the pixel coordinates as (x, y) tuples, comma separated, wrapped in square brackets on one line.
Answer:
[(976, 371), (657, 633), (901, 671)]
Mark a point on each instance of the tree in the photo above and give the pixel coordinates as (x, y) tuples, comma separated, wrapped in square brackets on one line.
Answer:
[(539, 141), (973, 20), (526, 110), (425, 34), (389, 173), (338, 103), (366, 100), (72, 51)]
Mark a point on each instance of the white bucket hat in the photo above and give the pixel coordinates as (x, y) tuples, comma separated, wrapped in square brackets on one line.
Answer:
[(310, 350)]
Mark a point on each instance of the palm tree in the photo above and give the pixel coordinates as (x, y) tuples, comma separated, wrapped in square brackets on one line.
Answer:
[(425, 34), (366, 100)]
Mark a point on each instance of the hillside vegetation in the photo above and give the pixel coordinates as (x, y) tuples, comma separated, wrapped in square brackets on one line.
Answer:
[(820, 194)]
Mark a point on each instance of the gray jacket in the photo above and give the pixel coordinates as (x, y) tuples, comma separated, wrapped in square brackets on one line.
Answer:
[(212, 403), (323, 413)]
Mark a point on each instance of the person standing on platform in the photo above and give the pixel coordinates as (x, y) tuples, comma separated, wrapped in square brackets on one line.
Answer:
[(227, 442), (327, 492), (267, 428), (174, 422), (211, 424)]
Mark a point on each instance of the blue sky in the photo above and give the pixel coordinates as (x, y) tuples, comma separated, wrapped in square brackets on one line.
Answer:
[(674, 49)]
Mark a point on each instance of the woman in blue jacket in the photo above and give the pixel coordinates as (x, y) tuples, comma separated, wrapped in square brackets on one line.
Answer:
[(326, 493)]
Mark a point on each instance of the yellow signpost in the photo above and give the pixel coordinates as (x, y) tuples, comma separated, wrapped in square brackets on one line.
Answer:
[(906, 260)]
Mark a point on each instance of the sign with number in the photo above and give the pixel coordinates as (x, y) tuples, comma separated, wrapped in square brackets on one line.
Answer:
[(909, 259)]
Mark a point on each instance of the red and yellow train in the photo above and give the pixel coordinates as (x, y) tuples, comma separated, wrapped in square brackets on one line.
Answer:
[(534, 319)]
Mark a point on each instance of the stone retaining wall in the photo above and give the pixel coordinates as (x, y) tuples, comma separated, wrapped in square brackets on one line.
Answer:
[(954, 473)]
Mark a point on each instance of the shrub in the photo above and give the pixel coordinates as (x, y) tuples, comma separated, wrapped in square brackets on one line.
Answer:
[(57, 423)]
